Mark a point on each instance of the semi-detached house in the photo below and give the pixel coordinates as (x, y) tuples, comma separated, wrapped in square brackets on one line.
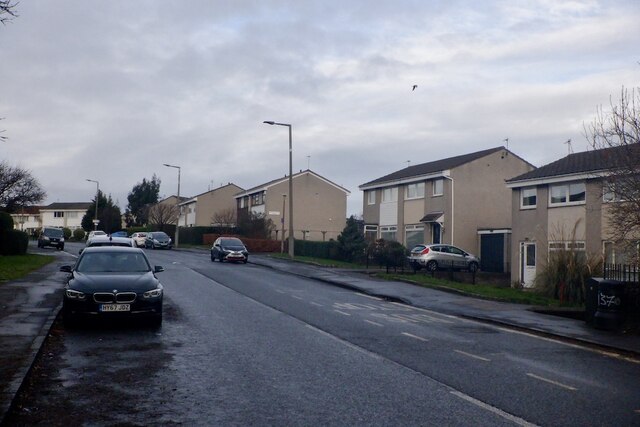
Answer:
[(564, 205), (459, 200)]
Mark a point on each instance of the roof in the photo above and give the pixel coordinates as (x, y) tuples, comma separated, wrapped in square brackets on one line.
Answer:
[(68, 206), (586, 162), (430, 168), (27, 210), (271, 183)]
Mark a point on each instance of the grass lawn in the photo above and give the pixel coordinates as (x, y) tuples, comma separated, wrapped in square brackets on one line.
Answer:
[(16, 266)]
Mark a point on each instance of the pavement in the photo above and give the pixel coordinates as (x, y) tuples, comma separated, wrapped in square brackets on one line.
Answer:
[(30, 305)]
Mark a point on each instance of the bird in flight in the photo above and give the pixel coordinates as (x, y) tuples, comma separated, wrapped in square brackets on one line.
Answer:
[(414, 88)]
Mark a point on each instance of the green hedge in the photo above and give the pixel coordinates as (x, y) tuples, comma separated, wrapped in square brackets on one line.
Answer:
[(13, 242), (194, 235), (328, 250)]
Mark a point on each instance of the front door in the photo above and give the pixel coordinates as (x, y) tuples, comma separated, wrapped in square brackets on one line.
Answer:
[(527, 263)]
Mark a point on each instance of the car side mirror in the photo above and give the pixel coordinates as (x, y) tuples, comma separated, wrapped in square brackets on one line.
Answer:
[(80, 251), (65, 268), (158, 269)]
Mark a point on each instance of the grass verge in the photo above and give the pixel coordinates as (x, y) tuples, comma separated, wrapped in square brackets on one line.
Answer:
[(320, 261), (16, 266)]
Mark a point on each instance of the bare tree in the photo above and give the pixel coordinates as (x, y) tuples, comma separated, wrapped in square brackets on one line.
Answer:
[(18, 188), (617, 134), (224, 218), (163, 214), (7, 10)]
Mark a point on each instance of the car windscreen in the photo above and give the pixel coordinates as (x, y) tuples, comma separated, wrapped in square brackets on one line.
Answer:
[(103, 262), (53, 232), (231, 242), (159, 235)]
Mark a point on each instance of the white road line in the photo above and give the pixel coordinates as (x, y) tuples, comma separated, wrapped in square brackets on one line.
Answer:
[(316, 304), (280, 292), (499, 412), (431, 312), (407, 334), (369, 296), (296, 297), (568, 387), (373, 323), (473, 355), (342, 312)]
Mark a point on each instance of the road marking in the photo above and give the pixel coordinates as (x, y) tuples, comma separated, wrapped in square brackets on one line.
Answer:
[(342, 312), (568, 387), (373, 323), (556, 341), (296, 297), (369, 296), (473, 355), (407, 334), (316, 304), (499, 412), (280, 292)]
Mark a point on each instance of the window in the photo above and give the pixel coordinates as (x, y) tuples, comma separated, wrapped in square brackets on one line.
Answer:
[(415, 191), (609, 193), (389, 195), (371, 197), (389, 233), (72, 214), (414, 235), (438, 187), (528, 198), (370, 233), (58, 214), (257, 198), (567, 194), (571, 246)]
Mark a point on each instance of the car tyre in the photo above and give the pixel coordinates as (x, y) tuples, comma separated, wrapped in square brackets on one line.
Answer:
[(220, 258), (156, 321), (68, 319), (213, 258), (432, 266), (473, 267)]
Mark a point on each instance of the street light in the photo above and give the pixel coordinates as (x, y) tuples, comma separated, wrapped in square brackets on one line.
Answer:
[(178, 221), (291, 240), (284, 197), (95, 220)]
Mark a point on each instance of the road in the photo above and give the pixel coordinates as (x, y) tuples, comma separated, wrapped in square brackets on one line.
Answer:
[(243, 344)]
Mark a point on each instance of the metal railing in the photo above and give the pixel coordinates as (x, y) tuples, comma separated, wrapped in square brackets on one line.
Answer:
[(630, 275)]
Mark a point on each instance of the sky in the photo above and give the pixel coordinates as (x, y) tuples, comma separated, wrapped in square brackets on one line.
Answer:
[(111, 91)]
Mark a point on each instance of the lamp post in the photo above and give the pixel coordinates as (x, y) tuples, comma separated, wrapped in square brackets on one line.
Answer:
[(95, 220), (284, 197), (178, 203), (291, 240)]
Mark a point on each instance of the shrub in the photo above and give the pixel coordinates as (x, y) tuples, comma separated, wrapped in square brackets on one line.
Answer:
[(351, 242), (13, 242), (388, 253), (78, 234), (66, 232), (6, 222)]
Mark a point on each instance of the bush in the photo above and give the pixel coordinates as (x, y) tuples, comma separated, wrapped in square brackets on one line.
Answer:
[(66, 232), (6, 222), (388, 253), (78, 234), (565, 275), (327, 250), (13, 242)]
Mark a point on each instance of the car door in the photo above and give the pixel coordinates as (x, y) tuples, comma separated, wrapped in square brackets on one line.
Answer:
[(458, 257)]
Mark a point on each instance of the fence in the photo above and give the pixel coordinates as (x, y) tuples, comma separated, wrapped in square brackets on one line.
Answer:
[(630, 275)]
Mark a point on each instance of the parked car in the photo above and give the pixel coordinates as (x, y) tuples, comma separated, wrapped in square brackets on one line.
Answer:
[(95, 233), (158, 240), (139, 238), (109, 241), (51, 236), (112, 282), (440, 256), (120, 233), (229, 249)]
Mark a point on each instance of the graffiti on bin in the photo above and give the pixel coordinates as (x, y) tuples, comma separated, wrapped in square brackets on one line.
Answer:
[(608, 300)]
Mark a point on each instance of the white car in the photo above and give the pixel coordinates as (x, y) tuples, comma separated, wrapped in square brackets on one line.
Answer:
[(138, 239), (95, 233)]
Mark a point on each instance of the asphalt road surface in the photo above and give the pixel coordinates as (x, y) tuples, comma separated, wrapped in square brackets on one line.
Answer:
[(246, 345)]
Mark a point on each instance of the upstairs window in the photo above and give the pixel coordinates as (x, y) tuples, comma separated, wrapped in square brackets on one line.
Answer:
[(567, 194), (438, 187), (58, 214), (371, 197), (528, 198), (415, 191), (389, 195)]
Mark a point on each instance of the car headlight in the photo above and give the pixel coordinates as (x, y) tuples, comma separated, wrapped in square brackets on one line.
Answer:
[(154, 293), (45, 238), (62, 239), (71, 294)]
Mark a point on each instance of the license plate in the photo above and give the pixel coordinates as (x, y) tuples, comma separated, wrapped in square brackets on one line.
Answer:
[(115, 307)]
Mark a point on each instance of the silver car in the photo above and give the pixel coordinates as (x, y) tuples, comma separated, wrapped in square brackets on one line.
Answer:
[(440, 256)]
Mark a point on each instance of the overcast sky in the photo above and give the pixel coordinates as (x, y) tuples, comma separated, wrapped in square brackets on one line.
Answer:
[(111, 90)]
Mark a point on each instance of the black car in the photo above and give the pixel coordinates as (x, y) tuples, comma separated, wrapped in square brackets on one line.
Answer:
[(158, 240), (112, 282), (229, 249), (51, 236)]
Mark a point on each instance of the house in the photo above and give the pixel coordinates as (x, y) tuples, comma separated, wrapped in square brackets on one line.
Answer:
[(214, 207), (27, 219), (165, 211), (460, 200), (319, 205), (64, 214), (562, 205)]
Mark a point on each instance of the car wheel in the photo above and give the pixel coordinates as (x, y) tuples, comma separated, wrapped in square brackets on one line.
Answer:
[(220, 258), (432, 266), (246, 260), (156, 321), (213, 258), (68, 319), (473, 267)]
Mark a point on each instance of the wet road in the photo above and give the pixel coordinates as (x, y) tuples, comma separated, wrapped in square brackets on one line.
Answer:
[(242, 344)]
